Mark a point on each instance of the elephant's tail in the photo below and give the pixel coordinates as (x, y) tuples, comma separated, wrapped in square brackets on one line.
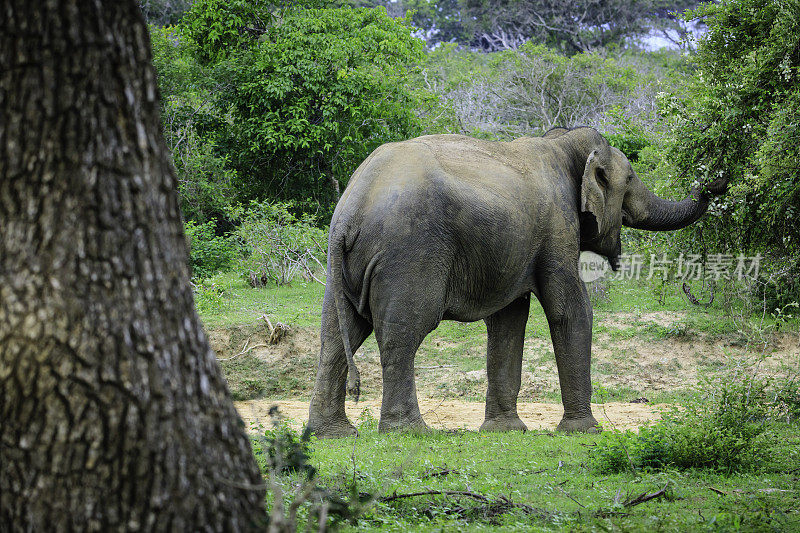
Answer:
[(336, 278)]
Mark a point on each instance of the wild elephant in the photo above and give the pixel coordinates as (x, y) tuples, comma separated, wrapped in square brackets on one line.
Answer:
[(447, 227)]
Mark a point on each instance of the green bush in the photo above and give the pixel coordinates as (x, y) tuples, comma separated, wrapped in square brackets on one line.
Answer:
[(723, 430), (739, 121), (209, 296), (208, 253), (308, 93), (285, 449), (278, 245)]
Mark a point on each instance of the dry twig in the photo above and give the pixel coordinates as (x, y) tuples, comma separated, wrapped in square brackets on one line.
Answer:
[(245, 349), (644, 497)]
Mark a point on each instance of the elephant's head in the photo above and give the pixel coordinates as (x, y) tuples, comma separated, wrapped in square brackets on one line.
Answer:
[(612, 195)]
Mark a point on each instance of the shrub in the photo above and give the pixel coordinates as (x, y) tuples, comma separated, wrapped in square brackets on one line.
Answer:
[(722, 430), (209, 295), (281, 452), (208, 253), (279, 245), (286, 450)]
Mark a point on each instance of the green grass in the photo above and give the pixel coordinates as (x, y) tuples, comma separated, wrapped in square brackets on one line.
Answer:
[(298, 304), (552, 475)]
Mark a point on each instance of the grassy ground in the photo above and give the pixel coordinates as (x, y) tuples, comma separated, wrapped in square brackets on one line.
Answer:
[(645, 343), (544, 482)]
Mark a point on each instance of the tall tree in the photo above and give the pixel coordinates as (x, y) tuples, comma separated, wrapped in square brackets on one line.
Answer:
[(572, 26), (113, 411)]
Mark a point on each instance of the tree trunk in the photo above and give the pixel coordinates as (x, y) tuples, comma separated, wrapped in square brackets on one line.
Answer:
[(113, 412)]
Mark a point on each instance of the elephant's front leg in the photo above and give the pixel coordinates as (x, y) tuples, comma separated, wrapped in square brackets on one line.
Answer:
[(506, 332), (569, 312)]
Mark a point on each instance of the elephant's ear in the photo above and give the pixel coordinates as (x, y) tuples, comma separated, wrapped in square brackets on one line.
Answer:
[(593, 198)]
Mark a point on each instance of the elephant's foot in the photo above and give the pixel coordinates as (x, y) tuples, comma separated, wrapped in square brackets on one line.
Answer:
[(412, 425), (504, 423), (586, 424), (329, 423), (332, 429)]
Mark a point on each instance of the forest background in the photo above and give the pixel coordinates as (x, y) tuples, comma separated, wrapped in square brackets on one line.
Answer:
[(268, 108)]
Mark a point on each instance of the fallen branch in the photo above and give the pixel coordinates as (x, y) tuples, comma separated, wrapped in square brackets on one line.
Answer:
[(479, 497), (245, 350), (644, 497), (723, 493), (487, 507), (432, 367)]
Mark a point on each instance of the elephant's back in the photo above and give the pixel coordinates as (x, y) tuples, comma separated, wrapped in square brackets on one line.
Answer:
[(452, 165), (435, 181)]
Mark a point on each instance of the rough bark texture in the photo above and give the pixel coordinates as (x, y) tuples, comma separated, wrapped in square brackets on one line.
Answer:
[(113, 411)]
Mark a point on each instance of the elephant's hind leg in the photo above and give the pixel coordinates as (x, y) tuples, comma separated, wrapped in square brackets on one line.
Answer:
[(398, 346), (506, 335), (326, 416)]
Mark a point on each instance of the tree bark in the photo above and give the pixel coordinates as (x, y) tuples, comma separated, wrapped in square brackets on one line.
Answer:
[(113, 412)]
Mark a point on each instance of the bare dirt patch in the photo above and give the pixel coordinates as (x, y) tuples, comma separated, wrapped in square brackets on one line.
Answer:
[(254, 340), (452, 390), (625, 320), (453, 414)]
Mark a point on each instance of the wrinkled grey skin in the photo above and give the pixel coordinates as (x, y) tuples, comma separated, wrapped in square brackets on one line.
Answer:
[(446, 227)]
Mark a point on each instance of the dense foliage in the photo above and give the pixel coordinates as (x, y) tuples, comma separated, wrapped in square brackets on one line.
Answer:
[(314, 97), (192, 123), (281, 104), (280, 101), (740, 120)]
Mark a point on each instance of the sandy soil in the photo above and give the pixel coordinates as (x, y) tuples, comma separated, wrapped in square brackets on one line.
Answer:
[(454, 414), (638, 363)]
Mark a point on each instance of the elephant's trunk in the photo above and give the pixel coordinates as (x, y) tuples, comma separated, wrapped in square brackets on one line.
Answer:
[(645, 210)]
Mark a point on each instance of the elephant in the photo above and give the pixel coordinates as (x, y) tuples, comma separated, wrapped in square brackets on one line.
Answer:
[(448, 227)]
